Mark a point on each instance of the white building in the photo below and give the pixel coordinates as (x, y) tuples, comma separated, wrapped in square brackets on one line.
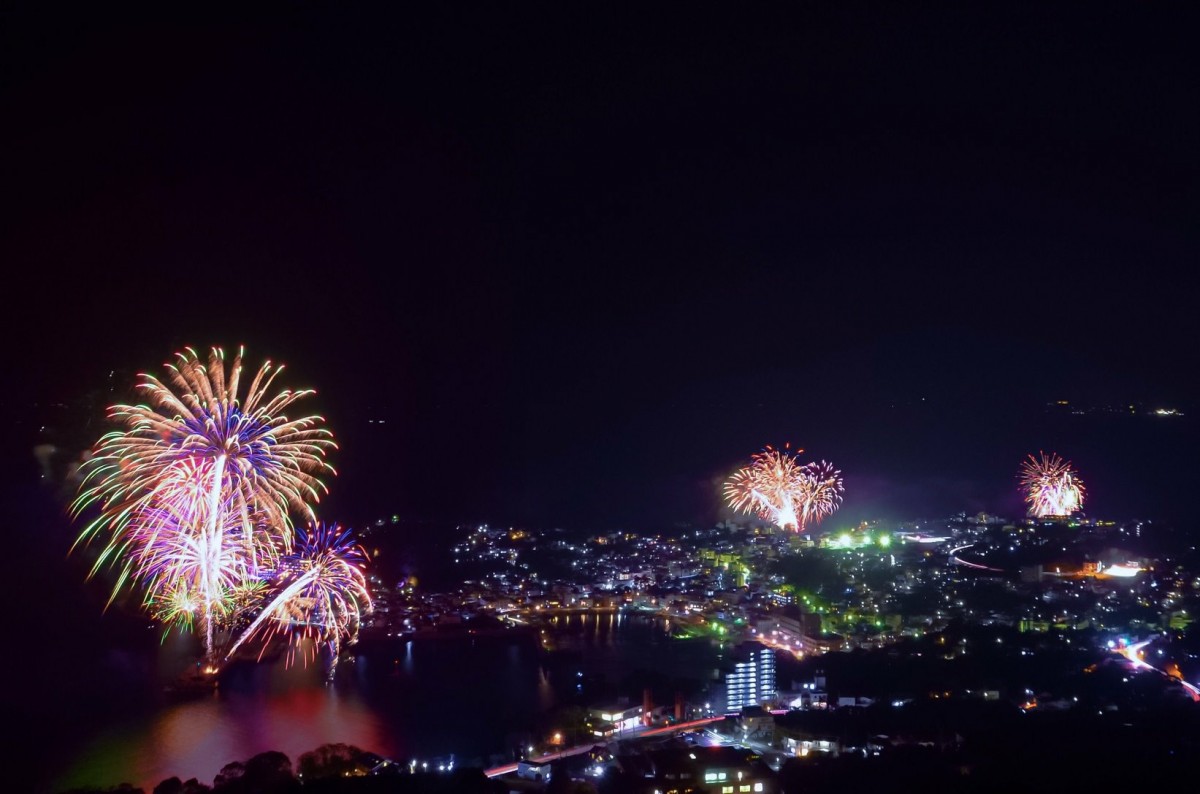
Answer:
[(751, 682), (609, 721)]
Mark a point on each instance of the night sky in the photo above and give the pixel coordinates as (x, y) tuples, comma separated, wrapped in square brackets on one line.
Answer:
[(583, 264)]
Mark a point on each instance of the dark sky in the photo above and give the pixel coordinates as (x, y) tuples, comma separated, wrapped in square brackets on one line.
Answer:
[(584, 263)]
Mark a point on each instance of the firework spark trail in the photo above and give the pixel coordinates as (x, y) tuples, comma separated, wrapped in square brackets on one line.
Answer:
[(271, 464), (1051, 486), (778, 488), (822, 492), (326, 601), (769, 486), (194, 493), (190, 569)]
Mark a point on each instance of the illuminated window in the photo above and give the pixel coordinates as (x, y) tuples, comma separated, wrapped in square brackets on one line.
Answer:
[(744, 788), (758, 786), (726, 789)]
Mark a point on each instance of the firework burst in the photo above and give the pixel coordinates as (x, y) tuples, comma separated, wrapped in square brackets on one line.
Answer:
[(770, 486), (321, 594), (262, 462), (1051, 485), (188, 566), (192, 495), (777, 487), (822, 492)]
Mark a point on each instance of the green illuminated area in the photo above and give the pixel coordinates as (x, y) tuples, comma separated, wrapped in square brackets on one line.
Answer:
[(708, 627), (858, 540)]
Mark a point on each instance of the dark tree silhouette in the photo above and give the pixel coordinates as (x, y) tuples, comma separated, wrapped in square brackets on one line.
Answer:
[(229, 773), (330, 760), (174, 785)]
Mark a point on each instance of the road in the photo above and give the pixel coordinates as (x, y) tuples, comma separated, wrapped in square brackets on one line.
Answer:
[(637, 733)]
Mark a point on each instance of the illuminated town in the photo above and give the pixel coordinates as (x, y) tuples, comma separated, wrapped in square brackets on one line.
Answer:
[(1048, 615), (196, 499), (599, 399), (190, 500)]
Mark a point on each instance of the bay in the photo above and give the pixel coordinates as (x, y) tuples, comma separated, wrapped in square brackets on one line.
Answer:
[(476, 698)]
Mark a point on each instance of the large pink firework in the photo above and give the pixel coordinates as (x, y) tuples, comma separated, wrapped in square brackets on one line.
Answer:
[(192, 496)]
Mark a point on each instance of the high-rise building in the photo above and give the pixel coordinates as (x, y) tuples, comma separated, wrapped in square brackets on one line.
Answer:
[(751, 681)]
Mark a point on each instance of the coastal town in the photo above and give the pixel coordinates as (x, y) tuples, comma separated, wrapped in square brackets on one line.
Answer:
[(861, 588), (866, 624)]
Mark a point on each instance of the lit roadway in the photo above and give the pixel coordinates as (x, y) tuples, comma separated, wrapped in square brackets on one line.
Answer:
[(639, 733), (1133, 653), (960, 561)]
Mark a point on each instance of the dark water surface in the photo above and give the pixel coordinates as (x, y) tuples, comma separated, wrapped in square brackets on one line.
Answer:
[(473, 697)]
